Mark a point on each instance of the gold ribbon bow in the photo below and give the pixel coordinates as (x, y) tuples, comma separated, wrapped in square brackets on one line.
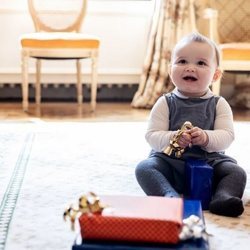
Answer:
[(89, 203), (174, 146)]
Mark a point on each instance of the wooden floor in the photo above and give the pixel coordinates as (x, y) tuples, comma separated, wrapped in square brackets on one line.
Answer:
[(72, 112)]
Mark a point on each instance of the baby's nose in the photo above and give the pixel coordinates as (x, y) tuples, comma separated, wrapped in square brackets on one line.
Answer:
[(190, 68)]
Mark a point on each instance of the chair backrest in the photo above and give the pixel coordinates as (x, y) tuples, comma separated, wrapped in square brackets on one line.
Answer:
[(233, 20), (57, 15)]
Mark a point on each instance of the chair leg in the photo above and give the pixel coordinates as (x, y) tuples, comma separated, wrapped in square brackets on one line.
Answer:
[(38, 81), (94, 83), (216, 87), (79, 82), (25, 84)]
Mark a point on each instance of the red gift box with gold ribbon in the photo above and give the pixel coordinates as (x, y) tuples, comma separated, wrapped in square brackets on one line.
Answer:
[(136, 219)]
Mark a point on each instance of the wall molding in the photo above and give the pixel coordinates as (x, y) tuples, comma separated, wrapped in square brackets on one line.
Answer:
[(69, 76)]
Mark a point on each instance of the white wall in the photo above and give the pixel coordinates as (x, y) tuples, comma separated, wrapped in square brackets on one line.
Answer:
[(123, 27)]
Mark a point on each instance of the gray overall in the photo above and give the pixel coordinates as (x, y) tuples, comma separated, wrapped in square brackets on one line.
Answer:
[(163, 175)]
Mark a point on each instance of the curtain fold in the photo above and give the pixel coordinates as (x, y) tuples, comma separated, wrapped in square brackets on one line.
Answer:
[(171, 20)]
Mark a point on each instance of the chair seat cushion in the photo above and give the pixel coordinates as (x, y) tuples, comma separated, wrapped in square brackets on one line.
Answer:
[(235, 51), (59, 40)]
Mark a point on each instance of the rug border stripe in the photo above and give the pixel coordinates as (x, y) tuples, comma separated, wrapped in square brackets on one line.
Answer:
[(10, 197)]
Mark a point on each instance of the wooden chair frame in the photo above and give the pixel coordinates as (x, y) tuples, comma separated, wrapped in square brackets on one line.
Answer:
[(58, 54)]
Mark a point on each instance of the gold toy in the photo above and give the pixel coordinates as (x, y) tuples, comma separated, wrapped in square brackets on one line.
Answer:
[(174, 146), (89, 203)]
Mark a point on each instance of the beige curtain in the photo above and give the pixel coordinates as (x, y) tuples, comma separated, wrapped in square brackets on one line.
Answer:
[(171, 20)]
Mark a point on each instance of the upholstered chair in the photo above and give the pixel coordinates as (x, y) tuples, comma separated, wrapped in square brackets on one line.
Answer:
[(58, 36), (229, 27)]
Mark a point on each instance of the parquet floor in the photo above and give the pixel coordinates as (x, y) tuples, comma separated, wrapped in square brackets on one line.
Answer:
[(70, 111)]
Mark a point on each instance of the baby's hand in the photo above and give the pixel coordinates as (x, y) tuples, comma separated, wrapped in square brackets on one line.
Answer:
[(199, 137), (185, 139)]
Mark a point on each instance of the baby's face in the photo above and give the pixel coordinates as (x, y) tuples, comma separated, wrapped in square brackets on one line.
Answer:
[(193, 68)]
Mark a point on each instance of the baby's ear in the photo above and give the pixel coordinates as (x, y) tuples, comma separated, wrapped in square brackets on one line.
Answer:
[(217, 74)]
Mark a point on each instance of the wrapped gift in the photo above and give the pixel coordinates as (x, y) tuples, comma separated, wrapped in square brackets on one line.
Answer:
[(135, 219), (199, 177), (191, 207)]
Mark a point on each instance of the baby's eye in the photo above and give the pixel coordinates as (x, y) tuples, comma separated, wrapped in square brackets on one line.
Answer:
[(202, 63), (182, 61)]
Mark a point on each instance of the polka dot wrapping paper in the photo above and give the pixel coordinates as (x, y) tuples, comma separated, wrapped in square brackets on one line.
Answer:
[(136, 219)]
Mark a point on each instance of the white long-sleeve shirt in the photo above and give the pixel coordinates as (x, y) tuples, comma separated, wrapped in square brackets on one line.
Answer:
[(158, 135)]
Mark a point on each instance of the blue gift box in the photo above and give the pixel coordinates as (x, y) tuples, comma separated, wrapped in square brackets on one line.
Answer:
[(199, 177), (191, 207)]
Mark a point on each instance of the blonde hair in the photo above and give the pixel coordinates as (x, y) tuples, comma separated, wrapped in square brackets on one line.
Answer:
[(197, 37)]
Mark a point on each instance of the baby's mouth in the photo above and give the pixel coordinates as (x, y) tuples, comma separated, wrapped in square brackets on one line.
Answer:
[(190, 78)]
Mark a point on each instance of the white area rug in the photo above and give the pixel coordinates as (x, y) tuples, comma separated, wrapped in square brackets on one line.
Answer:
[(65, 160)]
